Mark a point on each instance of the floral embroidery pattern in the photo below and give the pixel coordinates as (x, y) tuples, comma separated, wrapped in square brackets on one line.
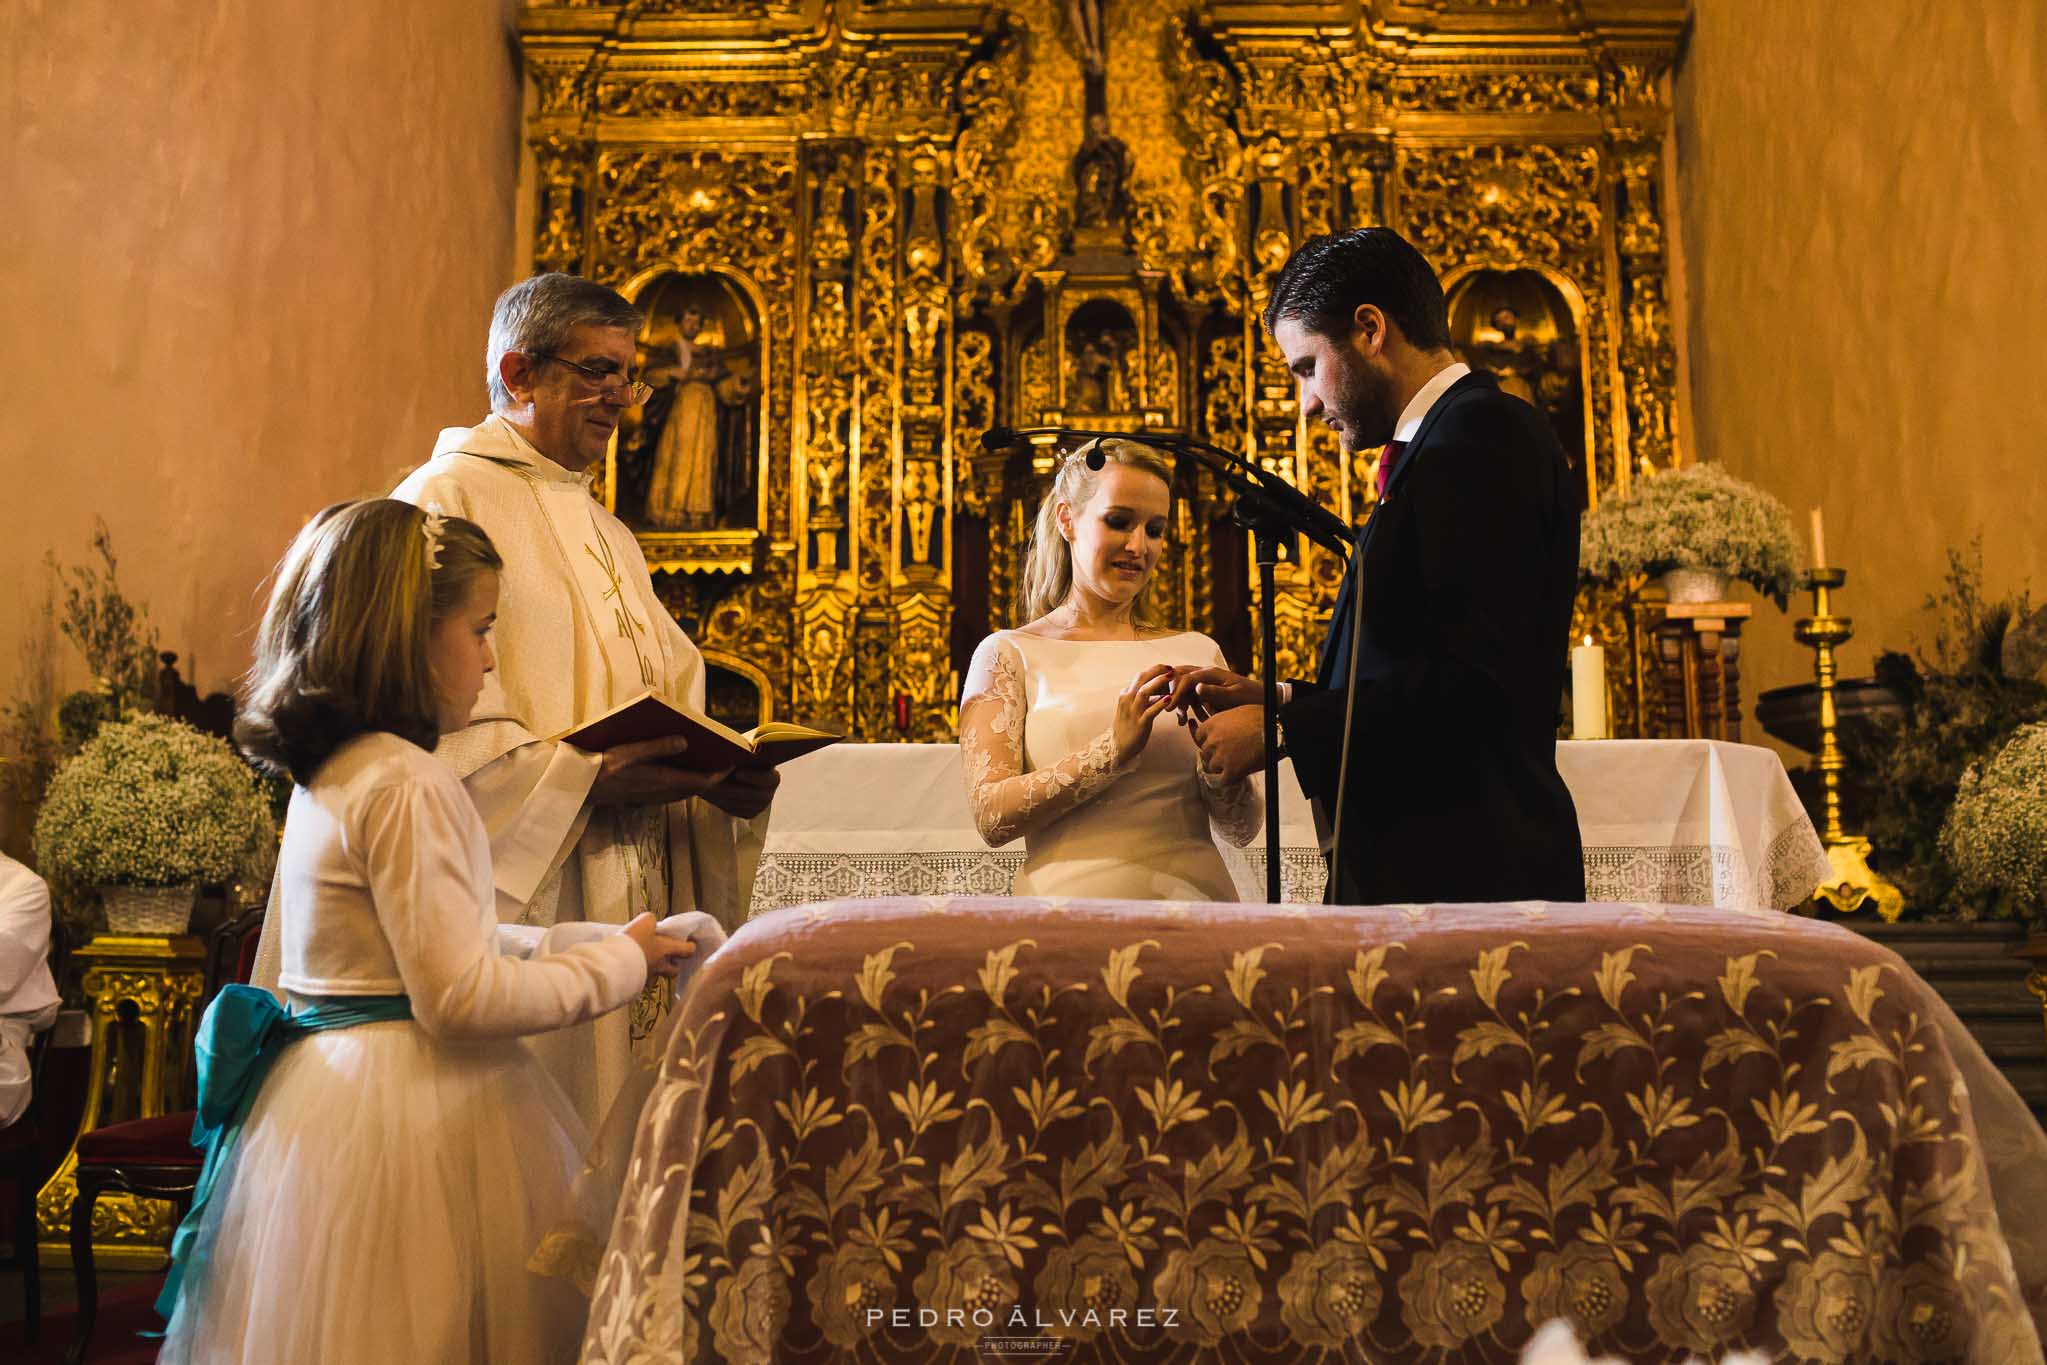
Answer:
[(1410, 1135)]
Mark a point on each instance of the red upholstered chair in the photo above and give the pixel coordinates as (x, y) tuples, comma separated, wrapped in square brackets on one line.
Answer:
[(153, 1158), (22, 1147)]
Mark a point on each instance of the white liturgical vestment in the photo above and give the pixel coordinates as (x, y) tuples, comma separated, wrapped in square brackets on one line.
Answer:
[(579, 630)]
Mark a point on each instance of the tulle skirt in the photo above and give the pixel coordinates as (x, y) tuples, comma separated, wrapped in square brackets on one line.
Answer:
[(388, 1192)]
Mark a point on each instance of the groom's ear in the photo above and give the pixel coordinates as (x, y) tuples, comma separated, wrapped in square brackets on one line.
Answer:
[(1369, 330)]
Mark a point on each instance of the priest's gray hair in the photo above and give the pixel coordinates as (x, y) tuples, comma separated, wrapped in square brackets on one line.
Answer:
[(537, 315)]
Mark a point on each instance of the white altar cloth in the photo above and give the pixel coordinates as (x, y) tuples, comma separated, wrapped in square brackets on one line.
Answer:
[(1682, 822)]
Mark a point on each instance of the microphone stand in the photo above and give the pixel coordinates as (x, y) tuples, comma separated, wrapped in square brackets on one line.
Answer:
[(1257, 514), (1270, 508)]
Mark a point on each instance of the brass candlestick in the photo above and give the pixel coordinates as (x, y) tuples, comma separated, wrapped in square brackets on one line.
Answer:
[(1854, 881)]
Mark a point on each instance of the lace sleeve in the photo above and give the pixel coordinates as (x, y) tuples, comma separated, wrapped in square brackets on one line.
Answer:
[(1008, 801), (1236, 809)]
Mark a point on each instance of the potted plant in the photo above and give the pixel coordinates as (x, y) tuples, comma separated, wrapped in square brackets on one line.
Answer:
[(147, 810), (1995, 835), (119, 649), (1696, 527), (1958, 699)]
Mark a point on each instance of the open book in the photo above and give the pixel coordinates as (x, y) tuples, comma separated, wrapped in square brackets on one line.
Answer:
[(712, 745)]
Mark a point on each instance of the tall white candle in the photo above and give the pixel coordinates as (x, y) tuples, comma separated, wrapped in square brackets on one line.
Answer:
[(1819, 541), (1588, 691)]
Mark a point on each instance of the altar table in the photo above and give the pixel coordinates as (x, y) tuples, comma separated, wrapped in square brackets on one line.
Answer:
[(908, 1130), (1682, 822)]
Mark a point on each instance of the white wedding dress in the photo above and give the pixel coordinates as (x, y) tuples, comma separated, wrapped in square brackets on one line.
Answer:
[(1039, 752)]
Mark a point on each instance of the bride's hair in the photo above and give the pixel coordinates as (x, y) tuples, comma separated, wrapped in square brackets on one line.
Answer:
[(1048, 566)]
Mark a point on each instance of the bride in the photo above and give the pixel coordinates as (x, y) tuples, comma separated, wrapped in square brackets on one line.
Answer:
[(1057, 719)]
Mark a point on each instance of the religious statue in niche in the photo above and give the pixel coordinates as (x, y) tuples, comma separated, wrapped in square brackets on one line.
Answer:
[(1103, 360), (689, 459), (1101, 168), (1516, 324), (1101, 175), (1097, 377)]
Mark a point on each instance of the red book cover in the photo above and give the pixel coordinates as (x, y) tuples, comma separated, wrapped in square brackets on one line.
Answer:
[(712, 745)]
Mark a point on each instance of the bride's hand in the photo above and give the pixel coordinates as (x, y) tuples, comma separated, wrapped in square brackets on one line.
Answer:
[(1140, 704)]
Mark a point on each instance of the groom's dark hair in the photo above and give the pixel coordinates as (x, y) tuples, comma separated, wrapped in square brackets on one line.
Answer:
[(1329, 277)]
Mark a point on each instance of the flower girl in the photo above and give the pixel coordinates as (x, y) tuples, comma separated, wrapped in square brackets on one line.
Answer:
[(382, 1159)]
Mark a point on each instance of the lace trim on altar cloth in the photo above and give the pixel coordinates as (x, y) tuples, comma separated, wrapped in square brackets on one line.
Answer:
[(787, 879), (1685, 874), (1709, 874)]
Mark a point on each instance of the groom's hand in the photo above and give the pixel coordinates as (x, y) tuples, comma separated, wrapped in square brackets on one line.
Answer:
[(1211, 690), (1232, 742)]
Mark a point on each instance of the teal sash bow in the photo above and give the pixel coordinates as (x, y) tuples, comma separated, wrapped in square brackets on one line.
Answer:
[(243, 1034)]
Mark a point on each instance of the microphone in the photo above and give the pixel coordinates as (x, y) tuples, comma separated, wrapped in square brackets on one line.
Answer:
[(1308, 517), (1007, 438)]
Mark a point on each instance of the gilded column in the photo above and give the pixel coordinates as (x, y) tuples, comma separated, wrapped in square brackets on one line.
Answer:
[(824, 607), (877, 441), (1637, 126), (561, 159)]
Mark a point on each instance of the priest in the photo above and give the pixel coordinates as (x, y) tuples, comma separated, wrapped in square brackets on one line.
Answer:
[(575, 835)]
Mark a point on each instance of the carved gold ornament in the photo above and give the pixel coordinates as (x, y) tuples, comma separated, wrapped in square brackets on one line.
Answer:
[(950, 216)]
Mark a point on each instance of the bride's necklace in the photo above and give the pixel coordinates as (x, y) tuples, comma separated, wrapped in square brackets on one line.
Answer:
[(1072, 624)]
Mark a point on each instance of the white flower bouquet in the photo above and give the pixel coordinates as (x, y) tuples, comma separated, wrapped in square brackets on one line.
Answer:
[(1695, 517), (1995, 835), (150, 801)]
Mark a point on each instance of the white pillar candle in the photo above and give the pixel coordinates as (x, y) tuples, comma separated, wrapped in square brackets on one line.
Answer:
[(1819, 541), (1588, 691)]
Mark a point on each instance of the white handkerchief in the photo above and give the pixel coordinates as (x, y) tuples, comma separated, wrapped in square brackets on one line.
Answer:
[(532, 941), (700, 929)]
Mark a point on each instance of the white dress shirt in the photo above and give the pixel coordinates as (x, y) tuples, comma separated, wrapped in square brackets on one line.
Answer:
[(1425, 398)]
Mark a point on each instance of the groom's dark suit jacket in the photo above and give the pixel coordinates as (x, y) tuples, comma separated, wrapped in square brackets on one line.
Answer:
[(1468, 567)]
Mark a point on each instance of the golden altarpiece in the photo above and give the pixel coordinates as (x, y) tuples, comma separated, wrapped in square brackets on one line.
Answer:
[(866, 232)]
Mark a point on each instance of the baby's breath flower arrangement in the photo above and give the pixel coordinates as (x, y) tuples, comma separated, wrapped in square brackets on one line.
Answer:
[(1695, 517), (1996, 831), (151, 801)]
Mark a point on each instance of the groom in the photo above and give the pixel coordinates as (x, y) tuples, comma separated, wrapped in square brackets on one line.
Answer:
[(1465, 574)]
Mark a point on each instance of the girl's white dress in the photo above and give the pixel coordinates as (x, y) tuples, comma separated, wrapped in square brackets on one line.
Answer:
[(393, 1178), (1040, 759)]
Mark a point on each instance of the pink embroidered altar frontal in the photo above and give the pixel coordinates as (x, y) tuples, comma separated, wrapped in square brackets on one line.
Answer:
[(922, 1130)]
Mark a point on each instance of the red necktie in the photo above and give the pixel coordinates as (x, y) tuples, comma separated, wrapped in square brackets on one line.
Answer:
[(1389, 457)]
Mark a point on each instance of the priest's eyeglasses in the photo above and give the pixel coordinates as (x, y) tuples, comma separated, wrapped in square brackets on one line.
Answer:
[(604, 381)]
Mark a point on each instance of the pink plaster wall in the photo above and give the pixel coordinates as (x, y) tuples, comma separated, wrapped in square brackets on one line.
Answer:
[(251, 251), (1862, 212)]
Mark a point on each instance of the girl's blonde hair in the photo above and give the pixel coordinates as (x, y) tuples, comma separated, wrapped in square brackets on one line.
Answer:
[(343, 645), (1048, 566)]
